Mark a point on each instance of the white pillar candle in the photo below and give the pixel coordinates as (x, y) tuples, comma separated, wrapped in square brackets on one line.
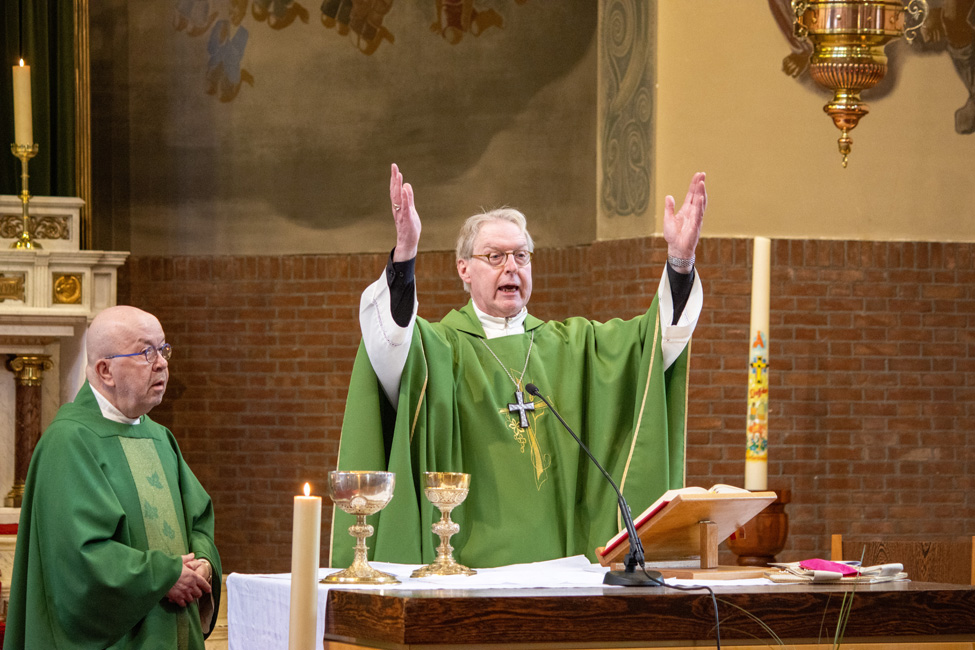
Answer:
[(756, 453), (23, 115), (305, 548)]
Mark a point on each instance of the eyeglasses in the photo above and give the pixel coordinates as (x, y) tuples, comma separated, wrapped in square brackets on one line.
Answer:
[(150, 353), (497, 258)]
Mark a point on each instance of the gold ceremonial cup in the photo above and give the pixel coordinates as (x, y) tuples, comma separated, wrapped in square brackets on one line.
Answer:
[(445, 490), (361, 494)]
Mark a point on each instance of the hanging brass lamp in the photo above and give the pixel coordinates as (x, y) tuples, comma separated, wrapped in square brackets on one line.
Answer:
[(848, 38)]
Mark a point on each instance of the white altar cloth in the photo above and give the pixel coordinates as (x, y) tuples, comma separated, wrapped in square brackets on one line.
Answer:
[(258, 605)]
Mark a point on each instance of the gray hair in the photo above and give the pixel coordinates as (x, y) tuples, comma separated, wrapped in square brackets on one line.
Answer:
[(468, 232)]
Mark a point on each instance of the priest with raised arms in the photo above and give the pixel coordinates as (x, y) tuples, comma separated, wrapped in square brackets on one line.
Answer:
[(450, 396)]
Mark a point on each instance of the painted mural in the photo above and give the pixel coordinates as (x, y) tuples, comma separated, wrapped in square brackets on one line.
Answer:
[(222, 23), (268, 126)]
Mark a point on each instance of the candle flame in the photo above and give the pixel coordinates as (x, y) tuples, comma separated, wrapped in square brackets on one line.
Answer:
[(21, 63), (307, 489)]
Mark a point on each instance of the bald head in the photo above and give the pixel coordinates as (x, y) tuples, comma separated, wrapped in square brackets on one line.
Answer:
[(132, 384), (113, 328)]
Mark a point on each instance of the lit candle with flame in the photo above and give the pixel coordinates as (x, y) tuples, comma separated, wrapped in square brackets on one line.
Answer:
[(23, 116), (305, 547)]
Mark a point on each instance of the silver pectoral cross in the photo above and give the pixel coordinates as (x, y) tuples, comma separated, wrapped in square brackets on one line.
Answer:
[(522, 407)]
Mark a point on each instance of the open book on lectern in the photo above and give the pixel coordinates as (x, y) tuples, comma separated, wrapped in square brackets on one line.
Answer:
[(669, 528)]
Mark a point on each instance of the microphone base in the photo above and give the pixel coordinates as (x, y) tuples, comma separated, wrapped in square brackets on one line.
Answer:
[(633, 578)]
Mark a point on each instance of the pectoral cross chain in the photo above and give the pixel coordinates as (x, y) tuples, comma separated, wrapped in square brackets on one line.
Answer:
[(521, 406)]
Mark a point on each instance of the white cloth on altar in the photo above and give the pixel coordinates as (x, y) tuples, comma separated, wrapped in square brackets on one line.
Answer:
[(258, 605)]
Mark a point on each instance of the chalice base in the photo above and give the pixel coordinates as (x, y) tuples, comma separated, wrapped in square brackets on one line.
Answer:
[(360, 574), (443, 568)]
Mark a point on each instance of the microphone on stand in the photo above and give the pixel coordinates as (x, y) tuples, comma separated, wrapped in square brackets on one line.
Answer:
[(628, 577)]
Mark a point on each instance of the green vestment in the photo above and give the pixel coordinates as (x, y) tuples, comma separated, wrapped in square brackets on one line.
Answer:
[(534, 495), (100, 499)]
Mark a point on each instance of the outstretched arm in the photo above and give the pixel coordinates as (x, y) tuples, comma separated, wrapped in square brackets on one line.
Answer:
[(682, 229), (680, 292), (388, 306), (404, 215)]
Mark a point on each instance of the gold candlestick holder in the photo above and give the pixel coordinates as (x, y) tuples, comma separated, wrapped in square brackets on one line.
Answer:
[(25, 152)]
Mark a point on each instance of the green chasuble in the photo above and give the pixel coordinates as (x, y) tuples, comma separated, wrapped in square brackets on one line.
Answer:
[(108, 510), (534, 494)]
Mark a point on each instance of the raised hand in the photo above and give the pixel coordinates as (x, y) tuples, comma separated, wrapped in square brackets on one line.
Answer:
[(683, 228), (405, 215)]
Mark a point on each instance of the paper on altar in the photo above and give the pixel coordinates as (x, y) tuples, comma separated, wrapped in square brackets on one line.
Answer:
[(574, 571)]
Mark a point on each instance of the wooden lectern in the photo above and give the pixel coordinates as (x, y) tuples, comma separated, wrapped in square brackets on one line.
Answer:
[(692, 526)]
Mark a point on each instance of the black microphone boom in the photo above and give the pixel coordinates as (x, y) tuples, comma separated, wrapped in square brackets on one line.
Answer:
[(628, 577)]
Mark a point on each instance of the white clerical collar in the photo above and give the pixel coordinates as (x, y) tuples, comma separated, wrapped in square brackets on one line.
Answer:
[(109, 412), (495, 326)]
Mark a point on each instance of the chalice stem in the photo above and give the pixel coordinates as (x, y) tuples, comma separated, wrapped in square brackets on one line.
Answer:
[(361, 530), (445, 552)]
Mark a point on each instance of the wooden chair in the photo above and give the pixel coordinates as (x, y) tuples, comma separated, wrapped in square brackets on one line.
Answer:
[(950, 562)]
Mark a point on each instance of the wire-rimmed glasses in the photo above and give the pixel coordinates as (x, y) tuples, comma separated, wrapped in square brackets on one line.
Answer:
[(500, 258)]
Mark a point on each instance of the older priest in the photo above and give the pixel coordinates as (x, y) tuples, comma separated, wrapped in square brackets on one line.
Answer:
[(450, 396), (115, 545)]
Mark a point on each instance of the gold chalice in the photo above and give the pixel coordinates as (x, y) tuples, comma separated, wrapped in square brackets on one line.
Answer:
[(361, 494), (446, 490)]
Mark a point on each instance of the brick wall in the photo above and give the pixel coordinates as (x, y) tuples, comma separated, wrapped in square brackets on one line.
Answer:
[(872, 385)]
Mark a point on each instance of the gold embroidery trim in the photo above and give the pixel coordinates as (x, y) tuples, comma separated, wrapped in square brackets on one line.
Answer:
[(423, 390), (643, 403)]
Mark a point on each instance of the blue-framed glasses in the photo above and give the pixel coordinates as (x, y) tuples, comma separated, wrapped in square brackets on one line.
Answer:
[(150, 353)]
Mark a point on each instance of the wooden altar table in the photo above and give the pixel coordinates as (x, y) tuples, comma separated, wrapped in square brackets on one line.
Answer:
[(896, 615)]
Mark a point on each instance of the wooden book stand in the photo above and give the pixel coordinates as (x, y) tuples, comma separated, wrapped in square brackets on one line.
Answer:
[(692, 526)]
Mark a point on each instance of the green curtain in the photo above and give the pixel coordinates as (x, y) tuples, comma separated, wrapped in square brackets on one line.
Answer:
[(42, 32)]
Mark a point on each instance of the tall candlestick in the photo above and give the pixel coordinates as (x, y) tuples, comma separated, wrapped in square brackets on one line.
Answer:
[(756, 454), (305, 544), (23, 115)]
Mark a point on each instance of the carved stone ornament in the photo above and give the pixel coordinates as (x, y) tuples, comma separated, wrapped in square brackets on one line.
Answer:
[(29, 368), (628, 41), (42, 227)]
